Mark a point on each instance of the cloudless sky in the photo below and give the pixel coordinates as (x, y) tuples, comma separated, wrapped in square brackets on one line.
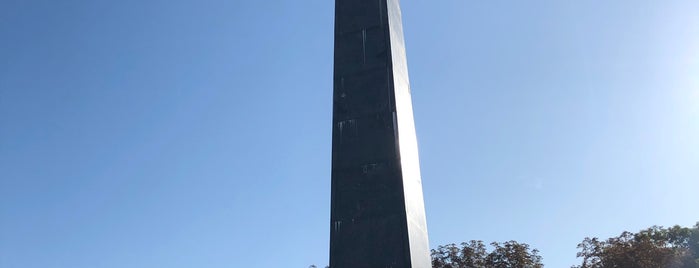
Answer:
[(197, 133)]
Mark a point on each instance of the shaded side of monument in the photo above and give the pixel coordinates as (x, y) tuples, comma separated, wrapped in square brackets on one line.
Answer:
[(377, 210)]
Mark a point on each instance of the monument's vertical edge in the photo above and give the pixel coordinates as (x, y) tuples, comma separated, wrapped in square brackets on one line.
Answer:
[(410, 163), (377, 213)]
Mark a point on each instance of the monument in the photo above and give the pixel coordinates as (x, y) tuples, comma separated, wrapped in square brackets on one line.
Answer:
[(377, 209)]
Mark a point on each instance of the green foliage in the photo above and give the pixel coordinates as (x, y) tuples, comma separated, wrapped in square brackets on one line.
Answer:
[(474, 254), (674, 247), (655, 247)]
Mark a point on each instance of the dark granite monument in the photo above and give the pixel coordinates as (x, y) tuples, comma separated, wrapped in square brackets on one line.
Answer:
[(377, 214)]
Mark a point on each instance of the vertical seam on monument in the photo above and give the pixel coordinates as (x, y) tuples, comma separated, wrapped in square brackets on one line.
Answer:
[(364, 45), (395, 132)]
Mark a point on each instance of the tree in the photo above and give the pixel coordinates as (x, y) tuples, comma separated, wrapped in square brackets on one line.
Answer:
[(513, 255), (675, 247), (474, 254), (655, 247)]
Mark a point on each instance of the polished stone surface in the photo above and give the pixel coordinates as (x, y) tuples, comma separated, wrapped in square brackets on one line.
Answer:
[(377, 214)]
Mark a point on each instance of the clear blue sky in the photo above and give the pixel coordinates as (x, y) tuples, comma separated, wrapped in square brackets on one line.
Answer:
[(197, 133)]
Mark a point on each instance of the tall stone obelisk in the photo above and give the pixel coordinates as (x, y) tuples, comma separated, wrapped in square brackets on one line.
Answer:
[(378, 213)]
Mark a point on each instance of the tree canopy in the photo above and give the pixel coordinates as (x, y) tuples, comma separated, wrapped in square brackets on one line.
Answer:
[(654, 247), (475, 254), (674, 247)]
